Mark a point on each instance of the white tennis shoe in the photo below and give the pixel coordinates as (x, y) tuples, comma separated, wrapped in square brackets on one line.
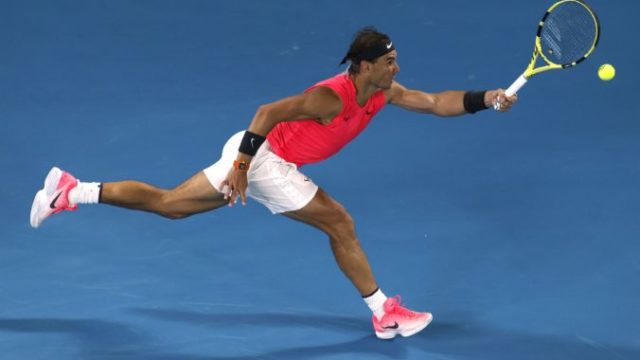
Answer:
[(53, 197)]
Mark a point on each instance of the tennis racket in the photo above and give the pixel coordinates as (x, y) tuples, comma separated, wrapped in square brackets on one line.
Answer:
[(567, 34)]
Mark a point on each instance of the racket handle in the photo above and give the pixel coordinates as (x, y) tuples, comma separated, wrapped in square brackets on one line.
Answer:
[(516, 85)]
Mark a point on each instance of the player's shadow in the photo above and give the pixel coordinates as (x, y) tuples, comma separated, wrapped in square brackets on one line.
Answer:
[(98, 338), (92, 336), (365, 342), (441, 339), (330, 322)]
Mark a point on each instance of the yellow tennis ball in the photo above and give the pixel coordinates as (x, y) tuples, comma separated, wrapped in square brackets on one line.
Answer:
[(606, 72)]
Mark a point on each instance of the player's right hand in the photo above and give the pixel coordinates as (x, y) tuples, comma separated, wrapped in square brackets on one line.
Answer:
[(235, 185)]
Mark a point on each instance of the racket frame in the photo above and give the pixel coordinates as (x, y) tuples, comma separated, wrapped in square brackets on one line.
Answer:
[(531, 70)]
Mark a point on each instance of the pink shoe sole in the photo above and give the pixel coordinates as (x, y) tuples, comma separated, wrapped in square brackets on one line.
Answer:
[(389, 334)]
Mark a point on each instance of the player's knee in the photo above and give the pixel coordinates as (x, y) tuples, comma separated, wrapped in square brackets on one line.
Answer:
[(169, 208), (341, 221), (342, 231)]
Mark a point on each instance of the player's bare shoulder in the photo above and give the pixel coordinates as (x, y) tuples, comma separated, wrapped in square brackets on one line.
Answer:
[(394, 93), (324, 103)]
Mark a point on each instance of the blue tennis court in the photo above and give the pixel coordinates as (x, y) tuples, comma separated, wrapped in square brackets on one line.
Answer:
[(518, 231)]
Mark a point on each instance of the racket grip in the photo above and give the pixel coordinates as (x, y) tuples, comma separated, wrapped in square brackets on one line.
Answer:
[(519, 83)]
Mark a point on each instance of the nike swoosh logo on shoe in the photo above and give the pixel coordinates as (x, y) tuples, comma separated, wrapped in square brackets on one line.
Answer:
[(53, 202), (394, 326)]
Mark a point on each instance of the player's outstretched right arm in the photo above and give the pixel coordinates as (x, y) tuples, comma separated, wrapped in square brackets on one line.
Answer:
[(446, 103)]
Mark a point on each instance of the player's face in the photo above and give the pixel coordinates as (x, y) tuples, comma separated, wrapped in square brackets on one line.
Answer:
[(384, 70)]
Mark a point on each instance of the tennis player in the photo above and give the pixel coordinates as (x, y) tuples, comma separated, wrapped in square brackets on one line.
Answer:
[(264, 163)]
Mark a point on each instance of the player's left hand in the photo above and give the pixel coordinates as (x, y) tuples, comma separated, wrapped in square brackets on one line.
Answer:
[(499, 100)]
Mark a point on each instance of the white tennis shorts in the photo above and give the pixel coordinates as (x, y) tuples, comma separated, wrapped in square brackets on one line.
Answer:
[(273, 182)]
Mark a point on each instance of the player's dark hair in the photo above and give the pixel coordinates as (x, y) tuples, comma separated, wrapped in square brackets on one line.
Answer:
[(368, 44)]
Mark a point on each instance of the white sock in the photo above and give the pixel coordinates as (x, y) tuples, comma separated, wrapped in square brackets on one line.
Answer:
[(85, 193), (375, 302)]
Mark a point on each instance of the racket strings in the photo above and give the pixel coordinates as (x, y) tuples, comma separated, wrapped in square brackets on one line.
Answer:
[(568, 33)]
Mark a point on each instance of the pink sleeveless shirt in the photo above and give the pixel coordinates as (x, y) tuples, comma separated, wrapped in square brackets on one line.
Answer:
[(307, 141)]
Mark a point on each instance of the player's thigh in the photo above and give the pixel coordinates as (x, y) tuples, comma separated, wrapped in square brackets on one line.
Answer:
[(323, 212), (195, 194), (277, 184)]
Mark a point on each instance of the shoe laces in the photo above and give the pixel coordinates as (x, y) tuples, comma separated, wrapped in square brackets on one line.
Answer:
[(395, 306)]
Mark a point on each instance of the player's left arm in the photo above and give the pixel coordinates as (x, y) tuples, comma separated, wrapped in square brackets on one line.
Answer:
[(446, 103)]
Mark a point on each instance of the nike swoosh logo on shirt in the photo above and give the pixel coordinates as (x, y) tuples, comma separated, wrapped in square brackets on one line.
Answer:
[(53, 202)]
